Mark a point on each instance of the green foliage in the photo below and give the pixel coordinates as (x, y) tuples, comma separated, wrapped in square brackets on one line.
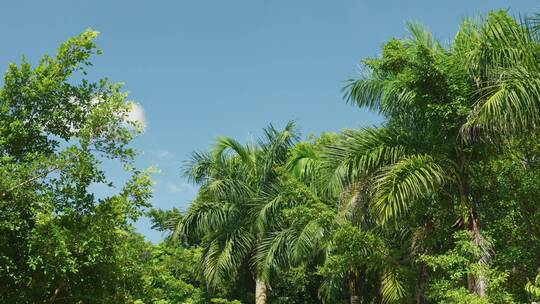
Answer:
[(372, 209), (170, 276), (456, 266), (224, 301), (238, 205), (58, 240), (533, 288), (360, 216), (294, 285), (360, 256)]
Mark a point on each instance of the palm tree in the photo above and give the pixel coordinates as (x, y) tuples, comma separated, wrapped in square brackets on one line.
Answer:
[(425, 93), (333, 227), (237, 204), (385, 172), (503, 55)]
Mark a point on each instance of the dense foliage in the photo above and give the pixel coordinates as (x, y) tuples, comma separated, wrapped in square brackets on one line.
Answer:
[(435, 205)]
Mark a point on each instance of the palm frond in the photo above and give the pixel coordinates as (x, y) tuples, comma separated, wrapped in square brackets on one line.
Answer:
[(505, 42), (268, 211), (392, 288), (365, 92), (207, 217), (306, 241), (420, 35), (361, 153), (224, 144), (400, 184), (304, 162), (354, 202), (224, 256), (227, 189), (275, 147), (197, 169), (511, 104), (272, 252)]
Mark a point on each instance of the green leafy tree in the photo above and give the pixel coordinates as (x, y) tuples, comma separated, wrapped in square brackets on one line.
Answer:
[(360, 259), (171, 276), (58, 241), (455, 265)]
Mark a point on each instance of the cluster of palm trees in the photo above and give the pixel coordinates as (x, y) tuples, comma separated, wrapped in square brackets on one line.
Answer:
[(336, 199)]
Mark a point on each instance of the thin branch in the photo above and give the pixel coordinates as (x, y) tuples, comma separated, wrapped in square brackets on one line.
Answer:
[(42, 175)]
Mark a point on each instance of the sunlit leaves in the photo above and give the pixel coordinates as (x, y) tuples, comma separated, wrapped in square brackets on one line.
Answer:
[(402, 183), (505, 64), (239, 203)]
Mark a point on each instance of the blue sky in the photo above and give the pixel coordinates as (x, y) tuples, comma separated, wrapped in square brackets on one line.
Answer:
[(204, 68)]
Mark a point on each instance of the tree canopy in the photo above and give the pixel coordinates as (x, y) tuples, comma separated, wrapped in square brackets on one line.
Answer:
[(438, 204)]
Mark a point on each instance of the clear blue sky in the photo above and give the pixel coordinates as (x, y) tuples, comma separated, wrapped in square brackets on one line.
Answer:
[(206, 68)]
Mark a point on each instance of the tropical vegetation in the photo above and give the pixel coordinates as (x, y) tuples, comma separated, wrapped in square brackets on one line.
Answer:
[(437, 204)]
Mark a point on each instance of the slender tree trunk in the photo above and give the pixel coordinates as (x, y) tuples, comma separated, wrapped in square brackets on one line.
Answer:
[(479, 284), (353, 292), (52, 299), (420, 284), (261, 290), (470, 282), (476, 284)]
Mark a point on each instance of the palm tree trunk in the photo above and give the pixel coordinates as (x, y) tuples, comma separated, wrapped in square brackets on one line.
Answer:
[(261, 290), (420, 284), (353, 292), (476, 284), (479, 282)]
